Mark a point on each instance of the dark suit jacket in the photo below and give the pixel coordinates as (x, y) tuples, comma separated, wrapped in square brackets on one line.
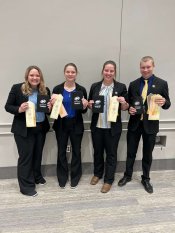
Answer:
[(15, 99), (159, 86), (118, 90), (79, 127)]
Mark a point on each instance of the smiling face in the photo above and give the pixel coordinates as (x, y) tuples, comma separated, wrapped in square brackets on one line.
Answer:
[(34, 78), (146, 68), (108, 73), (70, 73)]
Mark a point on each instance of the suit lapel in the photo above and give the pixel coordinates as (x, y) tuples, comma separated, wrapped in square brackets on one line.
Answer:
[(21, 97), (98, 87), (24, 98), (115, 89), (137, 87)]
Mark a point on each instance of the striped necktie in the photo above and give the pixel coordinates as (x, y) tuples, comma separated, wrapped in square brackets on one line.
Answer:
[(145, 90)]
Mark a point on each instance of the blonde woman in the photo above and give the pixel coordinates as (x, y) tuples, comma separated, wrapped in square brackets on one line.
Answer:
[(29, 141)]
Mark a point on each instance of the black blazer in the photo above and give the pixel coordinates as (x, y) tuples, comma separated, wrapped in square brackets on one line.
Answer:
[(118, 90), (15, 99), (79, 127), (159, 86)]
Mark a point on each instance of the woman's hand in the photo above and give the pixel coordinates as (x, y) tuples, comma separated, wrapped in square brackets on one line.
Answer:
[(53, 99), (85, 103), (23, 107), (49, 105), (132, 111), (90, 103), (122, 101)]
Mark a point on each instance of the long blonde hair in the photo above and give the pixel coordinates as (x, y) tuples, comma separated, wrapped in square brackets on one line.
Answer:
[(26, 87)]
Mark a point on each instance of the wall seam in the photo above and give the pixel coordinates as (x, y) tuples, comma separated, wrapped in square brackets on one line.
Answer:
[(120, 49)]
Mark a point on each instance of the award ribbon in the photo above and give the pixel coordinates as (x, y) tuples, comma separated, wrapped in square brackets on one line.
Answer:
[(113, 109), (57, 107), (30, 115), (63, 112), (153, 108)]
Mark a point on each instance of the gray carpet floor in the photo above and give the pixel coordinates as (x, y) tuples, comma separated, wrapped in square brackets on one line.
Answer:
[(86, 210)]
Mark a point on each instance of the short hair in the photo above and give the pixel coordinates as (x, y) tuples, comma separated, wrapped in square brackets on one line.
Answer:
[(147, 58)]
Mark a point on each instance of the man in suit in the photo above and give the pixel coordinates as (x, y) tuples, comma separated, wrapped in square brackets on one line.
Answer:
[(139, 124)]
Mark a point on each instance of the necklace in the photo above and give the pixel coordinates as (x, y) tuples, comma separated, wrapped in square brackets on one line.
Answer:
[(69, 88)]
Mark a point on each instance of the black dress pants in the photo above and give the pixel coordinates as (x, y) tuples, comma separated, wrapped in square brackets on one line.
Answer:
[(68, 131), (103, 140), (133, 138), (30, 150)]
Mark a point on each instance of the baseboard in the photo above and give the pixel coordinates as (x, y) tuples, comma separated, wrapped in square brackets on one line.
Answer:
[(50, 170)]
